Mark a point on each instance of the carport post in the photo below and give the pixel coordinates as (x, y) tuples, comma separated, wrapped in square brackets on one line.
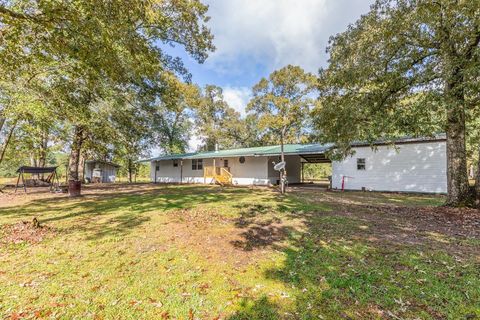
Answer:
[(155, 174), (303, 179)]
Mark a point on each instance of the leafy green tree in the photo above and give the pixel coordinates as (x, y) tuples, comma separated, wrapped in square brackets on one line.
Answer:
[(244, 132), (172, 116), (133, 136), (217, 123), (282, 105), (67, 53), (407, 67)]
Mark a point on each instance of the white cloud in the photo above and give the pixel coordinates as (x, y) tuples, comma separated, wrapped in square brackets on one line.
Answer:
[(237, 97), (277, 32), (194, 142)]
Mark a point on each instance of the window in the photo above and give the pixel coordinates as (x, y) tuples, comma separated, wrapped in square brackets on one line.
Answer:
[(175, 163), (225, 163), (242, 159), (197, 164), (361, 164)]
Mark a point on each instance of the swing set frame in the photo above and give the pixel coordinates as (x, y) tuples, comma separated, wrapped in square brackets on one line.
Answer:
[(52, 177)]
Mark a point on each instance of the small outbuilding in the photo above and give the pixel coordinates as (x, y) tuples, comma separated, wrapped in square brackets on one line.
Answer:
[(98, 171)]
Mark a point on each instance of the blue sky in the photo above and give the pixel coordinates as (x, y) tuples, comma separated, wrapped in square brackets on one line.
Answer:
[(255, 37)]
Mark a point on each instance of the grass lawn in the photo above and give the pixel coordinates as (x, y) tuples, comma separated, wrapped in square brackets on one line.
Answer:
[(206, 252)]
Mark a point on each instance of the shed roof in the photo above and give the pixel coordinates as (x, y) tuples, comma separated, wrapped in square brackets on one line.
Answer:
[(103, 162)]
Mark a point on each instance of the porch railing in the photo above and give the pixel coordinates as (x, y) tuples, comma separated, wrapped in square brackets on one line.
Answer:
[(221, 175)]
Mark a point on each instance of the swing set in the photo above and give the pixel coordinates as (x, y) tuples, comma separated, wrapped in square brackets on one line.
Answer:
[(51, 180)]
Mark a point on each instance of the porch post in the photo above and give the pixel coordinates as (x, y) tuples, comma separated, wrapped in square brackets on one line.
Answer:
[(181, 171)]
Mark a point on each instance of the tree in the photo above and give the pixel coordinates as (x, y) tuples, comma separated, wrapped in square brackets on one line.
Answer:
[(217, 123), (65, 51), (132, 129), (473, 149), (172, 115), (282, 104), (408, 67)]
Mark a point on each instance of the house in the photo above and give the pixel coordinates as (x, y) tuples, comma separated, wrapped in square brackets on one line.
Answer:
[(98, 171), (413, 165)]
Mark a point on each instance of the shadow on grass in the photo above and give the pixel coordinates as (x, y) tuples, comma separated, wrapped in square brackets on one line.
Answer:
[(340, 264), (260, 309), (263, 224), (118, 213), (337, 272)]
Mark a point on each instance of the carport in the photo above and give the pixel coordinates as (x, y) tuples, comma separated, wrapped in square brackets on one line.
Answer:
[(313, 154)]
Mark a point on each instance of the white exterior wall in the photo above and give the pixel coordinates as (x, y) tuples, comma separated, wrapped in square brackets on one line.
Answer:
[(109, 172), (294, 169), (167, 173), (253, 171), (415, 167)]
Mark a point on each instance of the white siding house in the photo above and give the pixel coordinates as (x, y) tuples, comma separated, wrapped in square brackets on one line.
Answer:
[(253, 170), (410, 167), (413, 165)]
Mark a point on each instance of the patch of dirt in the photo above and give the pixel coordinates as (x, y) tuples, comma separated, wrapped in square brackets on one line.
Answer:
[(10, 198), (463, 222), (439, 227), (219, 238), (24, 232)]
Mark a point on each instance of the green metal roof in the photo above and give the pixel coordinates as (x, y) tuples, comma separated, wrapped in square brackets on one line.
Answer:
[(289, 149), (175, 156), (251, 152)]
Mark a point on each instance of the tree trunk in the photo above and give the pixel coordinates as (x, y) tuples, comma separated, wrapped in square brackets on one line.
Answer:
[(74, 161), (477, 181), (457, 175), (2, 122), (129, 171), (7, 141), (42, 154), (81, 168)]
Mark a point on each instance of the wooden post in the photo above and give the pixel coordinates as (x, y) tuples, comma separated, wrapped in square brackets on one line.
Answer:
[(58, 181), (23, 181), (181, 171), (18, 180)]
